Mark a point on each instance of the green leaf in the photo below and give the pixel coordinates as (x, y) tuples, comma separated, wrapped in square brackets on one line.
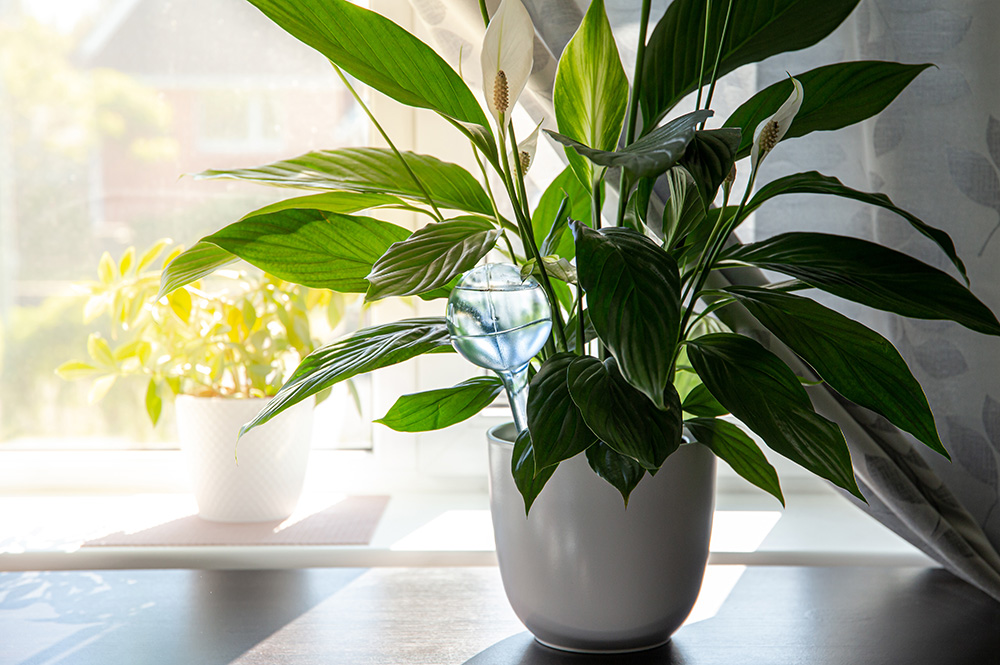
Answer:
[(684, 211), (151, 255), (835, 96), (548, 229), (856, 361), (75, 369), (760, 390), (311, 247), (106, 269), (344, 202), (201, 260), (431, 257), (154, 404), (556, 267), (372, 171), (709, 159), (436, 409), (379, 53), (650, 156), (100, 351), (590, 94), (700, 402), (621, 416), (623, 473), (363, 351), (735, 448), (757, 30), (557, 428), (817, 183), (872, 275), (528, 482), (633, 295)]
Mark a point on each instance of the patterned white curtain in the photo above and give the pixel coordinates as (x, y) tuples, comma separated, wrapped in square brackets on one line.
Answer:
[(936, 152)]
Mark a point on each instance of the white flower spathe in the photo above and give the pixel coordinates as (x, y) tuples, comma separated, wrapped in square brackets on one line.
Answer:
[(507, 57), (772, 130)]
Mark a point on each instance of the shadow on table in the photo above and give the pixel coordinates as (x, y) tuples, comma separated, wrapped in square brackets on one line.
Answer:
[(820, 616), (151, 617)]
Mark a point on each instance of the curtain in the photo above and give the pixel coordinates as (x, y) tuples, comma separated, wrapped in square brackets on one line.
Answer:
[(936, 152)]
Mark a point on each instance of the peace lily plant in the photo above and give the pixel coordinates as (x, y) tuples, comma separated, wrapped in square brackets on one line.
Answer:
[(636, 354)]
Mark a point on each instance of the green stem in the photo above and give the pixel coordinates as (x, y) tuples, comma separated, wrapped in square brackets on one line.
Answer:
[(493, 202), (485, 12), (385, 136), (718, 56), (704, 50), (580, 331), (633, 102), (596, 204)]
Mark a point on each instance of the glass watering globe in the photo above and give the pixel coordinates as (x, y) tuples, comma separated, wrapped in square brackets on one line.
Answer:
[(499, 321)]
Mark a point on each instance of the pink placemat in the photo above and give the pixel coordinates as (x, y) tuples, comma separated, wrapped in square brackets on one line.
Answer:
[(351, 521)]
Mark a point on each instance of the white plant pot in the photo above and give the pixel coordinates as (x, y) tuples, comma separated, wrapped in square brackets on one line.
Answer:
[(266, 483), (585, 574)]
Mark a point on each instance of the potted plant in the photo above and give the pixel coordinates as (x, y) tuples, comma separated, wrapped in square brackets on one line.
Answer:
[(220, 348), (636, 355)]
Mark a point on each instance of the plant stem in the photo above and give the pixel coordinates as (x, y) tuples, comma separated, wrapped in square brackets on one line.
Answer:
[(704, 50), (530, 236), (385, 136), (580, 332), (596, 204), (485, 12), (493, 203), (633, 102), (718, 56)]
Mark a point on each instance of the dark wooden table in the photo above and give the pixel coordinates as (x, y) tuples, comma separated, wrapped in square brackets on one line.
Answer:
[(451, 616)]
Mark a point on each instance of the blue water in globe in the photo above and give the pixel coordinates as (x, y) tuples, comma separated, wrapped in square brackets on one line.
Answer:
[(496, 320)]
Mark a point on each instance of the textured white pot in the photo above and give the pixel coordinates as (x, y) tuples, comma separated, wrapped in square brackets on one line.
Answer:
[(267, 482), (585, 574)]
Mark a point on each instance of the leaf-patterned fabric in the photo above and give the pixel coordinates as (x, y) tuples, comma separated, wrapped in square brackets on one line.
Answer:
[(936, 152)]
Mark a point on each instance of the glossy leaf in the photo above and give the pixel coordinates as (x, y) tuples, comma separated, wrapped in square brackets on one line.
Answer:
[(379, 53), (633, 294), (650, 156), (590, 93), (760, 390), (709, 159), (311, 247), (528, 481), (817, 183), (372, 171), (344, 202), (757, 30), (557, 428), (548, 231), (872, 275), (201, 260), (621, 416), (556, 267), (735, 448), (854, 360), (436, 409), (836, 96), (700, 402), (623, 473), (363, 351), (431, 257)]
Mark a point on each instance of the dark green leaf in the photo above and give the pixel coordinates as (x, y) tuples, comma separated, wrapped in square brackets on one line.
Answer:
[(370, 170), (817, 183), (590, 94), (760, 390), (648, 157), (557, 429), (431, 257), (544, 218), (363, 351), (528, 482), (735, 448), (872, 275), (436, 409), (623, 473), (757, 30), (379, 53), (700, 402), (621, 416), (709, 159), (683, 211), (835, 96), (856, 361), (201, 260), (633, 295), (311, 247), (573, 326)]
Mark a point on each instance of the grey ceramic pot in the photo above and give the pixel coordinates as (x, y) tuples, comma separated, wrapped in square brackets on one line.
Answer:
[(585, 574)]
